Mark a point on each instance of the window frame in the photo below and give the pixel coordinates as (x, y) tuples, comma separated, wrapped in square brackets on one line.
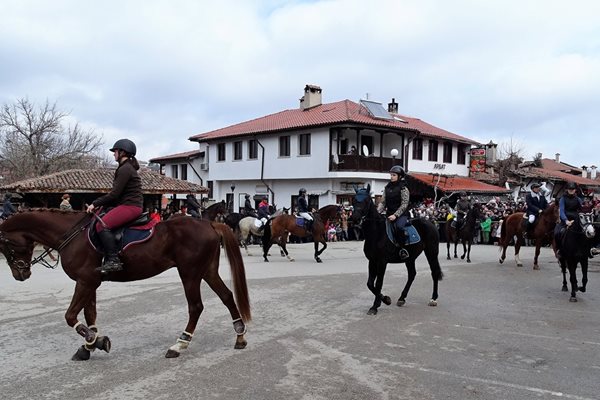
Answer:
[(252, 149), (447, 153), (417, 149), (433, 155), (285, 145), (237, 150), (304, 145), (221, 152)]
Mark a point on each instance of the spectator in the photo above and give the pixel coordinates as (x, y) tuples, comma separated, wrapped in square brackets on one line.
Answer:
[(65, 204), (486, 227)]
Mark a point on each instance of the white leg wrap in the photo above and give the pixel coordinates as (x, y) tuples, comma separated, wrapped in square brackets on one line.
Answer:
[(183, 342)]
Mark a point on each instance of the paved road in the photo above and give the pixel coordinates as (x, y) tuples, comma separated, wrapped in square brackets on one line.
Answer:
[(499, 332)]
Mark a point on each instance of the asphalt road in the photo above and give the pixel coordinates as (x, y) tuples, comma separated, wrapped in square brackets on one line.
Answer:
[(499, 332)]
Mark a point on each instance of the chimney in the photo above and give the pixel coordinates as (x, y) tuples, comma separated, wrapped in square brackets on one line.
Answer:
[(584, 171), (593, 172), (557, 157), (393, 106), (311, 98)]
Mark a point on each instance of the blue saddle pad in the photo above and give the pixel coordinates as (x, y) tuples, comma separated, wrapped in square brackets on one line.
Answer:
[(300, 222), (128, 237), (410, 233)]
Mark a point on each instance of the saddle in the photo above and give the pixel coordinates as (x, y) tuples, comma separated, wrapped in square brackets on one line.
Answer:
[(137, 231), (300, 221), (410, 233)]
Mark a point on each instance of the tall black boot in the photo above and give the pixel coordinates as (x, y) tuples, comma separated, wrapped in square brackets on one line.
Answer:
[(111, 261), (308, 226), (401, 241)]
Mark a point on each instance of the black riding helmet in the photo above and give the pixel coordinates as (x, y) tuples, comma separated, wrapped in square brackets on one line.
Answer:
[(396, 169), (302, 190), (571, 185), (126, 145)]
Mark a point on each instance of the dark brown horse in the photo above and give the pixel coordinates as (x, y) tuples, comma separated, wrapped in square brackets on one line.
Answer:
[(215, 212), (512, 227), (465, 233), (190, 245), (279, 228)]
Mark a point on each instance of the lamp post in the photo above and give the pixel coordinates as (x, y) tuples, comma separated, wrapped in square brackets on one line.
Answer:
[(394, 153), (232, 190)]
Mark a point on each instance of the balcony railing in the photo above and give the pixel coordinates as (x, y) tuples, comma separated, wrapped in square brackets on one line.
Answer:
[(350, 162)]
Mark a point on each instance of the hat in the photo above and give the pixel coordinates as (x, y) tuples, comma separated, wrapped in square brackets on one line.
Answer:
[(66, 196)]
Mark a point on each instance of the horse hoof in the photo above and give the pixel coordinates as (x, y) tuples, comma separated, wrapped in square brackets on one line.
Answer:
[(400, 302), (372, 311), (240, 344), (581, 289), (266, 260), (449, 258), (386, 300), (432, 303), (291, 259), (82, 354), (573, 299), (536, 267), (468, 260), (103, 343), (565, 289), (455, 256), (519, 264), (172, 354), (500, 261), (462, 257)]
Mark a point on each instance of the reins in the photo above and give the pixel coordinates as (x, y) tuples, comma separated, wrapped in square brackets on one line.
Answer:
[(41, 259)]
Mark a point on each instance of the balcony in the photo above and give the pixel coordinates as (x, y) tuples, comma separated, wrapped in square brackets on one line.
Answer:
[(351, 162)]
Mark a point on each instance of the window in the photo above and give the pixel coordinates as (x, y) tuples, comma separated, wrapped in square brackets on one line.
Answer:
[(417, 150), (433, 150), (252, 149), (184, 172), (461, 156), (221, 152), (305, 144), (237, 150), (284, 146), (448, 152), (174, 171), (210, 185)]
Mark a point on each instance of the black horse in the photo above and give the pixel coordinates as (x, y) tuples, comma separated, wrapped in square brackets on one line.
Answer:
[(575, 245), (380, 251), (464, 233)]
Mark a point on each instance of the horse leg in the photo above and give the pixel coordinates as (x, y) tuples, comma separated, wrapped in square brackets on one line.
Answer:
[(85, 297), (191, 286), (283, 247), (448, 249), (503, 255), (464, 244), (537, 253), (584, 270), (317, 251), (563, 268), (455, 246), (218, 286), (517, 249), (436, 273), (469, 251), (412, 272), (375, 284), (266, 248), (572, 265)]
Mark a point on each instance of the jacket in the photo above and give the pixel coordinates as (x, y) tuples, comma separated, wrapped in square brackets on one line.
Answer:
[(395, 199), (126, 189), (535, 203)]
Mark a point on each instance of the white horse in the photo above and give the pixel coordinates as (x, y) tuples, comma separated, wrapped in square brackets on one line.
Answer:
[(249, 225)]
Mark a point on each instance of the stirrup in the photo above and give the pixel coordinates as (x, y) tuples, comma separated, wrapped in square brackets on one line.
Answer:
[(403, 253), (594, 251), (110, 266)]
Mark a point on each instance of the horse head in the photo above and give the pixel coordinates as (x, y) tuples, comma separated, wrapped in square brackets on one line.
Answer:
[(18, 251), (361, 204), (586, 222)]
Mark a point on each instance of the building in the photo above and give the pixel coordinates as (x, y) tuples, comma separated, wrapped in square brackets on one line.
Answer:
[(327, 149)]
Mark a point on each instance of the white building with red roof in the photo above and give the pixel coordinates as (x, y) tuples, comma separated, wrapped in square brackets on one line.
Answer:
[(325, 148)]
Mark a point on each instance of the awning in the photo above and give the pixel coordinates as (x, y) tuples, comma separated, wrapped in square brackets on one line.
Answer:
[(455, 183)]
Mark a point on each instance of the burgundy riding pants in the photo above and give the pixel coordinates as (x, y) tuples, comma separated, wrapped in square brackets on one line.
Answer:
[(118, 216)]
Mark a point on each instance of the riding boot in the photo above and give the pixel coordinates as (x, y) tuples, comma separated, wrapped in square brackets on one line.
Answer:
[(525, 226), (111, 261), (308, 226), (401, 242)]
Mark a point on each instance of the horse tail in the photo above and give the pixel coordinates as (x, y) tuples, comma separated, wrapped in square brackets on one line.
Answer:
[(431, 241), (238, 273), (266, 238), (503, 234)]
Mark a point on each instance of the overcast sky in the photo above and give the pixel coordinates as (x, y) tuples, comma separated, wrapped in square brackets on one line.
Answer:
[(160, 71)]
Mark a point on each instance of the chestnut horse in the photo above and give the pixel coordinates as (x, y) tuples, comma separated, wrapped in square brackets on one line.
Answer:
[(279, 228), (542, 233), (189, 244)]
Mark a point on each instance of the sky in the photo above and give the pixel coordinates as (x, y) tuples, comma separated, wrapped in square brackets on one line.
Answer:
[(523, 74)]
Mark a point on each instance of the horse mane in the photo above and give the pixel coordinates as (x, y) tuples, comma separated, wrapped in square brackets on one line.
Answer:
[(51, 210)]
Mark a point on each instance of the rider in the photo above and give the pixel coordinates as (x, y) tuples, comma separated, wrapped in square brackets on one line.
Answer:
[(126, 196), (303, 209), (7, 208), (395, 203), (463, 205), (248, 209), (536, 203), (569, 207), (263, 212), (193, 207)]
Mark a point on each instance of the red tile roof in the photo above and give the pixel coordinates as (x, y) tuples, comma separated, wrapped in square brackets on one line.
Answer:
[(99, 181), (550, 164), (457, 183), (563, 176), (341, 112), (176, 156)]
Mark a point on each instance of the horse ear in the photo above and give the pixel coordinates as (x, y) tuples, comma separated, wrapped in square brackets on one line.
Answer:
[(355, 188), (369, 188)]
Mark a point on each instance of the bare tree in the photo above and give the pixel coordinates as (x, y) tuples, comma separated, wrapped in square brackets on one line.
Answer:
[(38, 141), (510, 155)]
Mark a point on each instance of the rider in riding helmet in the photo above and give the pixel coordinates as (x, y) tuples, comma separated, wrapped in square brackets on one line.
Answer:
[(463, 205), (569, 207), (125, 196), (7, 207), (193, 207), (263, 212), (303, 209), (395, 204), (248, 209), (536, 204)]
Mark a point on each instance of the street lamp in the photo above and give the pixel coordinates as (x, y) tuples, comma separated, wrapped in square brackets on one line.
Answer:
[(394, 153), (232, 190)]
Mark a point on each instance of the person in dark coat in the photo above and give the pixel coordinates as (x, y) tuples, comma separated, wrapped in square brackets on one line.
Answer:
[(248, 209), (193, 207), (303, 210), (7, 208), (463, 205), (536, 204), (569, 208), (394, 202), (127, 199)]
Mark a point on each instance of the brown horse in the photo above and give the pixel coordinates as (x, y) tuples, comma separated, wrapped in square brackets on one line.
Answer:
[(279, 228), (542, 233), (190, 245)]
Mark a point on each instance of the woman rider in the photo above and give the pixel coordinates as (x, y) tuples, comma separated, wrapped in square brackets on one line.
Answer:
[(395, 203), (303, 209), (569, 208), (126, 196)]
